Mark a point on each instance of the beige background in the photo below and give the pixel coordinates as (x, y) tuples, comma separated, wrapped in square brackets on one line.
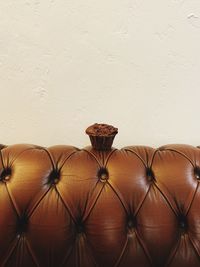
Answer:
[(65, 64)]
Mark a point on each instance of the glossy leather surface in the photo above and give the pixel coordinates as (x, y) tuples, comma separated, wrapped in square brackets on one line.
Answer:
[(62, 206)]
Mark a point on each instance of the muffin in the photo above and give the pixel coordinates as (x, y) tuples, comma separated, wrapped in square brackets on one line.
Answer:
[(101, 135)]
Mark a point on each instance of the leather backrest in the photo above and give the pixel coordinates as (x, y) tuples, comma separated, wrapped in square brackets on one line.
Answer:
[(63, 206)]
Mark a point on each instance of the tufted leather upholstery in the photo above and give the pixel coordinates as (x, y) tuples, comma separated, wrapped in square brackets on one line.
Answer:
[(62, 206)]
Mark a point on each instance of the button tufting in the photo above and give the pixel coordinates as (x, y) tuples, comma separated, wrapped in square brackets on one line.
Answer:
[(103, 174), (182, 223), (197, 172), (79, 227), (106, 214), (22, 224), (131, 223), (149, 174), (54, 177), (5, 174)]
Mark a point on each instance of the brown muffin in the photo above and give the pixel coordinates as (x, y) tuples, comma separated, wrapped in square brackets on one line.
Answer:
[(101, 135)]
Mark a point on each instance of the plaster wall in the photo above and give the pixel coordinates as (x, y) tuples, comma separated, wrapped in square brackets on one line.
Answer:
[(65, 64)]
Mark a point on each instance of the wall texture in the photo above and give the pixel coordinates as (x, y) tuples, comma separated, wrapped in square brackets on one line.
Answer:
[(65, 64)]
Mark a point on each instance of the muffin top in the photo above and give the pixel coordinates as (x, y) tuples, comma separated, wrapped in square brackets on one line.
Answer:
[(101, 129)]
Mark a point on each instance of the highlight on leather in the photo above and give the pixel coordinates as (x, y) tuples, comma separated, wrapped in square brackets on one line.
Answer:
[(64, 206)]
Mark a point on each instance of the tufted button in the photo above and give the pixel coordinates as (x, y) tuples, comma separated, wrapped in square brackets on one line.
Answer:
[(5, 174), (22, 225), (197, 172), (149, 174), (182, 223), (56, 180), (131, 223), (54, 177), (103, 174), (79, 227)]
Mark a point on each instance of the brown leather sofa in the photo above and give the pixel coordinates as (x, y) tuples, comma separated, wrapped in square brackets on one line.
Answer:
[(132, 207)]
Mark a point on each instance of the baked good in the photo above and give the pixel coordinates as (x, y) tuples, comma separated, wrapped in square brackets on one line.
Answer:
[(101, 135)]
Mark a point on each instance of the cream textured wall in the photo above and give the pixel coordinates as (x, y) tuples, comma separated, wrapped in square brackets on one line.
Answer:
[(65, 64)]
